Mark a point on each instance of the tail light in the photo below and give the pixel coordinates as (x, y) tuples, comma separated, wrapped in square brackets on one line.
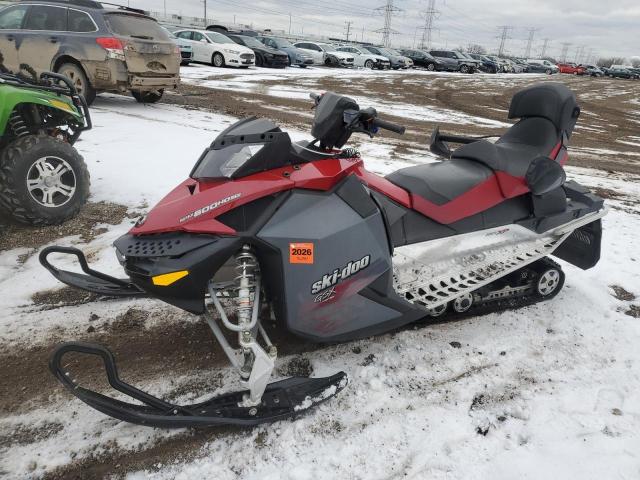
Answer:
[(113, 46), (176, 50)]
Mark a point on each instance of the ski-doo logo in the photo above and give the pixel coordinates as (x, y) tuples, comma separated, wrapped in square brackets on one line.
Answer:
[(208, 208), (331, 279)]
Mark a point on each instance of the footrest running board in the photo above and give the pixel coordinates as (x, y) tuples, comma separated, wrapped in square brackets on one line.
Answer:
[(91, 280), (280, 400)]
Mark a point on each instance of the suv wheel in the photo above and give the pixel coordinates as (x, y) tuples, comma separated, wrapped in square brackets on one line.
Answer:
[(217, 60), (464, 69), (43, 180), (431, 67), (79, 80), (147, 97), (548, 71)]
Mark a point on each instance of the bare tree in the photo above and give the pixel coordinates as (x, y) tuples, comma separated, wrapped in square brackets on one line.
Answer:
[(635, 62), (475, 48), (607, 62)]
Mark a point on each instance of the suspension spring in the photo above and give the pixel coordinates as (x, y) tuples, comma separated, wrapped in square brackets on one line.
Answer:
[(247, 279), (18, 125)]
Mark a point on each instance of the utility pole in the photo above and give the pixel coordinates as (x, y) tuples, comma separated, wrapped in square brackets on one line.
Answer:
[(504, 36), (545, 45), (289, 23), (205, 13), (429, 16), (389, 9), (347, 26), (165, 9), (362, 36), (565, 49), (527, 52)]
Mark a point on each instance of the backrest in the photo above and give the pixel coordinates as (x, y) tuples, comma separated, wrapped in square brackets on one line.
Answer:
[(550, 100)]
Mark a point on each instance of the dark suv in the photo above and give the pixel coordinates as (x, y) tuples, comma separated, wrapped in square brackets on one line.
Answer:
[(455, 61), (99, 49), (423, 59)]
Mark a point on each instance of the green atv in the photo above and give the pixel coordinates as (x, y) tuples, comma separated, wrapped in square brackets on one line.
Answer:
[(43, 179)]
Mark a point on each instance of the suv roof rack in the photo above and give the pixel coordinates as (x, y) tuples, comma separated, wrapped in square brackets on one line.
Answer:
[(93, 4), (78, 3)]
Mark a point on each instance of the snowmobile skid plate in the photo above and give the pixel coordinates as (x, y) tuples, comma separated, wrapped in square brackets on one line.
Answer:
[(281, 399), (91, 280)]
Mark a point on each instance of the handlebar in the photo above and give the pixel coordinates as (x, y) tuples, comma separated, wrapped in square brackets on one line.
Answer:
[(392, 127)]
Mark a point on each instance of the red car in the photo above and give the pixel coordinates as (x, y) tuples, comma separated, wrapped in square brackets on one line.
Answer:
[(571, 68)]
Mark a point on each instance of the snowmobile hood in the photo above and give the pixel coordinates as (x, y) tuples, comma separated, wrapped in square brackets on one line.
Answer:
[(195, 206)]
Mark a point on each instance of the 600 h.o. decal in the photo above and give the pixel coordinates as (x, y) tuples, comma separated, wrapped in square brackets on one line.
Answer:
[(208, 208), (331, 279)]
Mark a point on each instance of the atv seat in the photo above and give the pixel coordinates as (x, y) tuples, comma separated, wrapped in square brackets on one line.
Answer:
[(482, 174)]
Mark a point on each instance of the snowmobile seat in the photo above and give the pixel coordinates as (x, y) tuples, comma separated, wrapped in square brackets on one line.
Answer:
[(482, 174)]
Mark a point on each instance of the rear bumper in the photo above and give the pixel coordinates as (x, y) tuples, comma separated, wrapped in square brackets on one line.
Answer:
[(137, 81)]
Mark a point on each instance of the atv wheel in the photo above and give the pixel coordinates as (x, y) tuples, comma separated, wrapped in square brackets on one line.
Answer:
[(368, 64), (464, 69), (147, 97), (43, 180), (217, 60), (79, 80), (431, 67), (549, 282)]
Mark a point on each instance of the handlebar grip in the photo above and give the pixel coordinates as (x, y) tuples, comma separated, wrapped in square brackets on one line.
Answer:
[(314, 96), (389, 126)]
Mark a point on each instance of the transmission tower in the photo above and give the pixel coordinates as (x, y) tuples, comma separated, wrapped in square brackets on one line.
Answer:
[(388, 10), (565, 49), (503, 38), (347, 27), (545, 46), (429, 16), (527, 52), (579, 54)]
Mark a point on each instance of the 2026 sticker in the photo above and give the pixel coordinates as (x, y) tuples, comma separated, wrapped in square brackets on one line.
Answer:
[(301, 253)]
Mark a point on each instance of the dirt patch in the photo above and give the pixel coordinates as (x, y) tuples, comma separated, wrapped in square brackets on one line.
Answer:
[(605, 121), (297, 367), (621, 294), (62, 297), (26, 434), (85, 224), (634, 311)]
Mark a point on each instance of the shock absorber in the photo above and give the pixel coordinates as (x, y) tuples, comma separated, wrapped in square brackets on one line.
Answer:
[(248, 276), (18, 125)]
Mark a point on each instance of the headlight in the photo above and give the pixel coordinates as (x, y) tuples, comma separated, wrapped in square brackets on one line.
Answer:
[(234, 52)]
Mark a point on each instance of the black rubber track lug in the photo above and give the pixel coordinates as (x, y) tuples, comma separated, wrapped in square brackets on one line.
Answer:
[(281, 399)]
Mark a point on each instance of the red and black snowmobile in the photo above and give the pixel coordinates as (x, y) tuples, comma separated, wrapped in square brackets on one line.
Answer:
[(339, 253)]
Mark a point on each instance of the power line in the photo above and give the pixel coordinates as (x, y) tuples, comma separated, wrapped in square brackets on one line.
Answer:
[(545, 45), (430, 15), (503, 38), (389, 9), (347, 26), (527, 52), (565, 50)]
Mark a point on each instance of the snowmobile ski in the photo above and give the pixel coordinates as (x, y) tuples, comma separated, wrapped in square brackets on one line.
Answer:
[(281, 399), (92, 280)]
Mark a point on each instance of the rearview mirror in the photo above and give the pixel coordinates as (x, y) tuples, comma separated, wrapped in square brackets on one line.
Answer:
[(438, 146)]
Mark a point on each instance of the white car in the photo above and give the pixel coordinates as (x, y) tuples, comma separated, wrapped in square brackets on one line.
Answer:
[(366, 59), (217, 49), (326, 54)]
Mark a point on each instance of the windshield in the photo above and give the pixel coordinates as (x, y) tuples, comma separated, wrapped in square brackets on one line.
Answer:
[(326, 47), (282, 43), (250, 41), (136, 26), (218, 37), (391, 51), (169, 33)]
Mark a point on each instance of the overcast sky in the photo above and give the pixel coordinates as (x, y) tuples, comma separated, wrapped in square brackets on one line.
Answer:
[(608, 27)]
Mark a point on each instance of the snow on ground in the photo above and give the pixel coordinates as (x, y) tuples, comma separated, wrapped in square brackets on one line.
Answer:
[(548, 391)]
